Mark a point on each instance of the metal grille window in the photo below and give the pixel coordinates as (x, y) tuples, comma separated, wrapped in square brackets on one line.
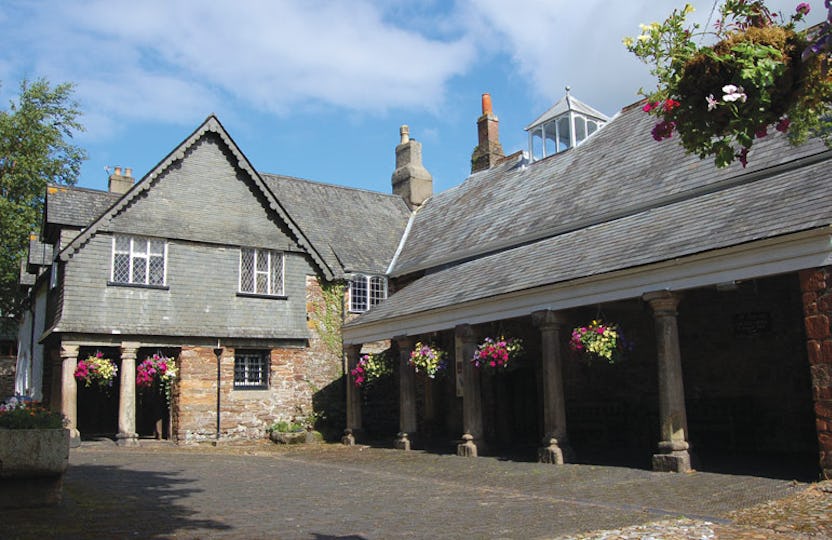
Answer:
[(251, 369), (366, 292), (139, 261), (261, 271)]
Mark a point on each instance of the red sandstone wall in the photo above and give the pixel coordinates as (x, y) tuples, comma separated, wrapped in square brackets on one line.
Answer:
[(297, 378), (817, 306)]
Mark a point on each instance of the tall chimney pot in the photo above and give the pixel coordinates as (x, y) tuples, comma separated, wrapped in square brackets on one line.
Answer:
[(411, 180), (489, 151)]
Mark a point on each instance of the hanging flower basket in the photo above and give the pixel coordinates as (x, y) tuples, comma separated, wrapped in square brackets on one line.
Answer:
[(428, 360), (599, 340), (96, 369), (159, 371), (760, 73), (497, 354), (371, 368)]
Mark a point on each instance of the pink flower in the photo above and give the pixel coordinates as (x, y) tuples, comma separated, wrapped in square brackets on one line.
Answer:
[(761, 132), (649, 106), (783, 125), (712, 102), (803, 8)]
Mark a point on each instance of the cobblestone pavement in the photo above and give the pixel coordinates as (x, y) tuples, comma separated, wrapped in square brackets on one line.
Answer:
[(329, 491)]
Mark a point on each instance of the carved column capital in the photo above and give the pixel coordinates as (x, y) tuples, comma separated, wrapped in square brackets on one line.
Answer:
[(663, 303), (129, 349), (546, 319), (405, 343), (69, 351), (465, 333)]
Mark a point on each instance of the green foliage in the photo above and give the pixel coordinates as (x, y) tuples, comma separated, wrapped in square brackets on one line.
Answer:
[(327, 318), (759, 73), (32, 416), (35, 149)]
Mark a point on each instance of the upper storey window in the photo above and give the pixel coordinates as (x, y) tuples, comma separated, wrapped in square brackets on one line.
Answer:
[(139, 261), (366, 292), (261, 272), (566, 125)]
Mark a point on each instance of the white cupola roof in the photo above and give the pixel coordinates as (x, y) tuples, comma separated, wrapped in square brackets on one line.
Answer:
[(566, 125)]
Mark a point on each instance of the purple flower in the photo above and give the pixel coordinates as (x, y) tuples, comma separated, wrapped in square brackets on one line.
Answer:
[(804, 8)]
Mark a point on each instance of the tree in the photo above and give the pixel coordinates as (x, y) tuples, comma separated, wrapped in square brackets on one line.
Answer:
[(35, 149)]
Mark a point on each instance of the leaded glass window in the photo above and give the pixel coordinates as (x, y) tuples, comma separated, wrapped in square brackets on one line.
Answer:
[(138, 261), (261, 271)]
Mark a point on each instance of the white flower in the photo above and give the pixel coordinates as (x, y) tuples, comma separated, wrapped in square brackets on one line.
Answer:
[(712, 103), (733, 93)]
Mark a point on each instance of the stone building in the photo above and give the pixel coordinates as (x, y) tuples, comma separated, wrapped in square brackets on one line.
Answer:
[(236, 275), (719, 277)]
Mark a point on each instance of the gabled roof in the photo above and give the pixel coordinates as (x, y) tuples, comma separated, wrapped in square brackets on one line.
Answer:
[(618, 202), (213, 125), (74, 206), (355, 229), (565, 104)]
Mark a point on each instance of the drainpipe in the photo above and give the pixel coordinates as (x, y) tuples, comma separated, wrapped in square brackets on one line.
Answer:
[(218, 354)]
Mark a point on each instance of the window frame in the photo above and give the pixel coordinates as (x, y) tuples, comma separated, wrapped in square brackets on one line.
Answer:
[(248, 361), (134, 255), (269, 273), (371, 294)]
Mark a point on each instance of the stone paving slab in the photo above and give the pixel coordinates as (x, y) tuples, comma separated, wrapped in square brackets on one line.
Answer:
[(330, 491)]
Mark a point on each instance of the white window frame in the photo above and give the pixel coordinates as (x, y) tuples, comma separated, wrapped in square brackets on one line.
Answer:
[(271, 256), (251, 369), (369, 289), (136, 256)]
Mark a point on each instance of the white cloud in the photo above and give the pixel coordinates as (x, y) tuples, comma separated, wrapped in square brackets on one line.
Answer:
[(555, 43), (172, 59)]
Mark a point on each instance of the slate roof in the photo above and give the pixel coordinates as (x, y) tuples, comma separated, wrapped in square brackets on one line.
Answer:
[(74, 206), (355, 229), (344, 229), (616, 171), (619, 200)]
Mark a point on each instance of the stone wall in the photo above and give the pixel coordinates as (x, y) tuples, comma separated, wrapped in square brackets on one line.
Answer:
[(817, 306), (302, 380)]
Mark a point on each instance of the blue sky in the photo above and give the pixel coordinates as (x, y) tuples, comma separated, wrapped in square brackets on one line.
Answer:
[(318, 89)]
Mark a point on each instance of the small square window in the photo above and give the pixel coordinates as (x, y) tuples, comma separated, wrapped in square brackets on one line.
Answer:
[(251, 370)]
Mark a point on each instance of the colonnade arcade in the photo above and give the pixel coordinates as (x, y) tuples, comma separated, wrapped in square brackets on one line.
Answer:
[(65, 390), (572, 415)]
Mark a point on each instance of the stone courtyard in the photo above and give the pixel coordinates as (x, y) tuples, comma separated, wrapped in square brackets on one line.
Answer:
[(260, 490)]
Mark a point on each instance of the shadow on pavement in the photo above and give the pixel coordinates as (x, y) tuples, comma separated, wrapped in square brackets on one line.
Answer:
[(103, 501)]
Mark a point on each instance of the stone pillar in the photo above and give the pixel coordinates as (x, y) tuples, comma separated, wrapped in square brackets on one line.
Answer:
[(407, 394), (352, 354), (673, 453), (69, 391), (465, 341), (816, 286), (555, 439), (127, 435)]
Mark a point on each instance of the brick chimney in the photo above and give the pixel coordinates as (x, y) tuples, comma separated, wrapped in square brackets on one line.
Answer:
[(410, 179), (489, 150), (121, 183)]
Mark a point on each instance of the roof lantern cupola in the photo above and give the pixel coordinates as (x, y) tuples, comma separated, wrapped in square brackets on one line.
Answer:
[(566, 125)]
